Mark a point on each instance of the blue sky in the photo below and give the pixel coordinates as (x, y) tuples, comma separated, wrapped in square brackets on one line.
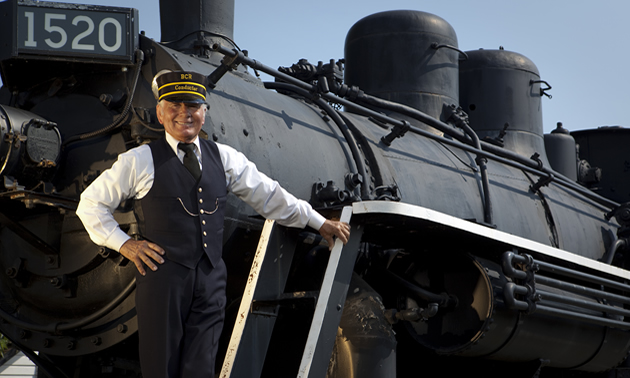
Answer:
[(580, 47)]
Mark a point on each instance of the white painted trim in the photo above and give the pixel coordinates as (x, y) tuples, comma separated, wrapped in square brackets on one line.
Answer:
[(322, 300), (19, 366), (246, 301), (418, 212)]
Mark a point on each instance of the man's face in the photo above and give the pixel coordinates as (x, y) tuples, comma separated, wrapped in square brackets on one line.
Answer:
[(182, 120)]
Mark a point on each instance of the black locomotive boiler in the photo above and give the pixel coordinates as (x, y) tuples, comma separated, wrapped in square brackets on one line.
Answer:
[(478, 243)]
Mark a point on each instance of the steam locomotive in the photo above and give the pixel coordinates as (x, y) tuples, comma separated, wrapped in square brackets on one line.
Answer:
[(478, 243)]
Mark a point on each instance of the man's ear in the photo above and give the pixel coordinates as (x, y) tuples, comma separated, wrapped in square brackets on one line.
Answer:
[(206, 107), (158, 112)]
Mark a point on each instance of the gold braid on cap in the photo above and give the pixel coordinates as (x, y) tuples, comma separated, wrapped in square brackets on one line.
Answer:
[(182, 88), (179, 86)]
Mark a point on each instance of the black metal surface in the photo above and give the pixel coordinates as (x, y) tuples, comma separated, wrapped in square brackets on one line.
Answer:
[(73, 301), (356, 155), (489, 151), (391, 55), (499, 87), (366, 342), (575, 296), (561, 152), (207, 22), (29, 146), (604, 148)]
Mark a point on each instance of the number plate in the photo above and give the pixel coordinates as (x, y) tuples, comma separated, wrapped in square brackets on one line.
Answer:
[(45, 30)]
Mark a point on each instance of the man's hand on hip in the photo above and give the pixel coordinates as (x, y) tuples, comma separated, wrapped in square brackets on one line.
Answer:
[(142, 251)]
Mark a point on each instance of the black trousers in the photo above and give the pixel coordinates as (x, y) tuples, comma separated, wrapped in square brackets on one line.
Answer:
[(180, 318)]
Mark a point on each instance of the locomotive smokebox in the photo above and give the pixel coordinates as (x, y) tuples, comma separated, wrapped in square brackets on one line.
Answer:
[(191, 25), (406, 57), (499, 87)]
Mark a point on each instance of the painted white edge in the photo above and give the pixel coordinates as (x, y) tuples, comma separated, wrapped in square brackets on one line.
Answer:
[(322, 300), (246, 301), (413, 211)]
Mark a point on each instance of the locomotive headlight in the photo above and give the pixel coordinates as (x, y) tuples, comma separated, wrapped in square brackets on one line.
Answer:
[(29, 145)]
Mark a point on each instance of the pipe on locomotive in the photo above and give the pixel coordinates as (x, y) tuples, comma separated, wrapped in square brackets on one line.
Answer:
[(459, 121), (510, 257), (442, 300), (533, 295), (343, 127), (546, 295), (488, 150), (614, 247), (510, 290), (308, 92)]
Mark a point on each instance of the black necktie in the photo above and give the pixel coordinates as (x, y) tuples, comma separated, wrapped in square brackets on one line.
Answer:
[(190, 160)]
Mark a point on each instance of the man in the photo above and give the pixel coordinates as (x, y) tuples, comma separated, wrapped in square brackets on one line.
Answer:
[(179, 184)]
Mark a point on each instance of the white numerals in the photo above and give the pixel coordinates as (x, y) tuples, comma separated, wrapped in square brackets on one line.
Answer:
[(101, 34), (90, 28), (55, 29), (81, 29), (30, 29)]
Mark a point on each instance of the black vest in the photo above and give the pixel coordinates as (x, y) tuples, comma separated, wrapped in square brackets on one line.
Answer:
[(182, 216)]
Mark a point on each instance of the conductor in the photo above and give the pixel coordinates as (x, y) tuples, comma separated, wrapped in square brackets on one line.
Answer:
[(179, 186)]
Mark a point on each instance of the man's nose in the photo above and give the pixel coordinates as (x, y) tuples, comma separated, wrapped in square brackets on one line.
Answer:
[(184, 109)]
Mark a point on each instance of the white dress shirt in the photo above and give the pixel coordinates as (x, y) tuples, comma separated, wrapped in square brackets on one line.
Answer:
[(131, 176)]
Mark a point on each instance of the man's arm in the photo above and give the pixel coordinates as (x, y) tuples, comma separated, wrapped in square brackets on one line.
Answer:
[(130, 175), (270, 200)]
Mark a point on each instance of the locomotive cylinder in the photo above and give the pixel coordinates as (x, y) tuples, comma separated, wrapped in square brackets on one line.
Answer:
[(483, 326)]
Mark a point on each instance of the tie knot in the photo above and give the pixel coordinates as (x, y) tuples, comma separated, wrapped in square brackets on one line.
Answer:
[(186, 147)]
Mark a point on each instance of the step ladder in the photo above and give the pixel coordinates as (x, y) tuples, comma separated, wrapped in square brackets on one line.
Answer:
[(245, 355)]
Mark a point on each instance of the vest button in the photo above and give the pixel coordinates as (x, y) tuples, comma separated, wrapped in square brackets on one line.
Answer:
[(205, 233), (203, 222), (200, 200), (201, 211), (205, 245), (200, 190)]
